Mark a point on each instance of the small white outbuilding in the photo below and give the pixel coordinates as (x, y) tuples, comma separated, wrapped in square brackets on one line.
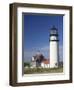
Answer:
[(45, 64)]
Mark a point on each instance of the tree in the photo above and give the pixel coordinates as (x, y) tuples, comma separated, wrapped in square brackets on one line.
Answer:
[(26, 64)]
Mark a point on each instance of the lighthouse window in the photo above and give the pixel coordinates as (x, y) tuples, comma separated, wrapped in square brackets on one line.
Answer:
[(53, 32)]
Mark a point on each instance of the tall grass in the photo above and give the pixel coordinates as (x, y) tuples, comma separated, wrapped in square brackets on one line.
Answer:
[(42, 70)]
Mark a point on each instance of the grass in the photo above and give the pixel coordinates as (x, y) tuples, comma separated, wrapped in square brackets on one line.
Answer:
[(42, 70)]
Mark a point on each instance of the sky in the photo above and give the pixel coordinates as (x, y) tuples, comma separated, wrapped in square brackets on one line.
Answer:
[(36, 31)]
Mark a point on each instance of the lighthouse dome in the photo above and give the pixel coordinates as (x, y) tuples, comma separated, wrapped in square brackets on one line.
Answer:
[(53, 28), (53, 31)]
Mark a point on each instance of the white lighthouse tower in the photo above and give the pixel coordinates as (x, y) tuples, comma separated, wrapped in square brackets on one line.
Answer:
[(54, 48)]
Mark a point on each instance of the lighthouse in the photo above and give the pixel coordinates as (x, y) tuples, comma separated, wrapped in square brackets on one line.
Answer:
[(54, 47)]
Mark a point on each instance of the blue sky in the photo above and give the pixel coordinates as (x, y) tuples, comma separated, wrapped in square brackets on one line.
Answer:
[(36, 34)]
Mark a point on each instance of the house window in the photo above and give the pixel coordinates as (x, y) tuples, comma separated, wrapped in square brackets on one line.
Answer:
[(56, 64)]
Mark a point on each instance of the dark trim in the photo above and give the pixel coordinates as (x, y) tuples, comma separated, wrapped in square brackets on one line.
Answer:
[(54, 40), (22, 44), (43, 83), (42, 14), (53, 34), (10, 47), (70, 48), (13, 44), (42, 6)]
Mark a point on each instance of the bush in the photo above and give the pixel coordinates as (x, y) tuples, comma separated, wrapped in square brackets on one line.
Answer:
[(27, 64)]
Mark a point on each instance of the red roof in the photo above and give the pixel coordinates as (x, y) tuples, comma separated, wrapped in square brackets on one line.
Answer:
[(45, 61)]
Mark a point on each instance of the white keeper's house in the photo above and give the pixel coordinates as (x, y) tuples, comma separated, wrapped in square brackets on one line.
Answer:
[(39, 61)]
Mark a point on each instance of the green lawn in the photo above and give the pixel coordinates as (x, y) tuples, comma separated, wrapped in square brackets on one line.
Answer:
[(42, 70)]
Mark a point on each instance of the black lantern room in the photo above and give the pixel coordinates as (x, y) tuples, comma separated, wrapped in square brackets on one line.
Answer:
[(54, 32)]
